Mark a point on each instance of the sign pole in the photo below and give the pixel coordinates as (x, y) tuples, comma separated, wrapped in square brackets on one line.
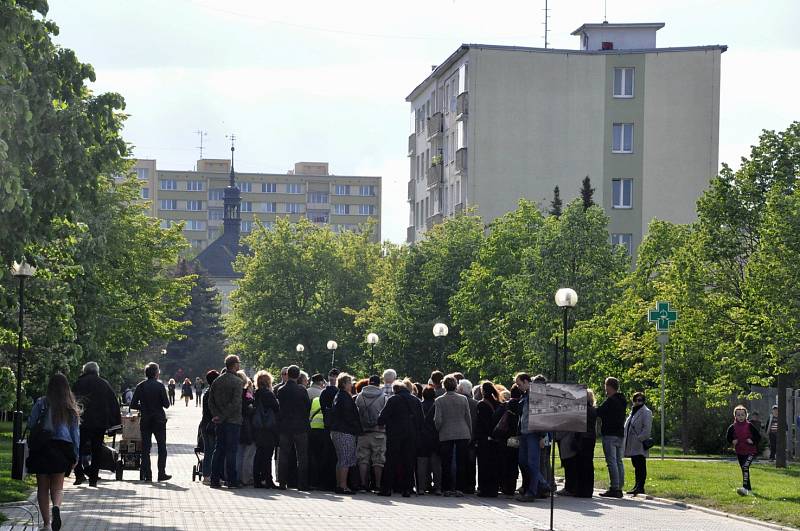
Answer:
[(663, 317), (663, 339)]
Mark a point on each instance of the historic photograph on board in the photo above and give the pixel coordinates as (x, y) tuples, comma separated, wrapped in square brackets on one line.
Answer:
[(557, 407)]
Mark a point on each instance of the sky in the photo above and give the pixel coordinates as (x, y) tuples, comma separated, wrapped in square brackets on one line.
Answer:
[(327, 81)]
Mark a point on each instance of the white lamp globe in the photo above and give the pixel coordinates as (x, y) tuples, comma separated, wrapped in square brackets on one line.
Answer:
[(332, 345), (566, 297), (299, 348), (440, 330), (372, 338)]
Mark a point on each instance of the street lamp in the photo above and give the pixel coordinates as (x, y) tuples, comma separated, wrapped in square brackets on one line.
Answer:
[(299, 348), (372, 340), (332, 346), (566, 298), (21, 271), (441, 330)]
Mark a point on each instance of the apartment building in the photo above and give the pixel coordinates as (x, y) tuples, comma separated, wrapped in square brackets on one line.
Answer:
[(493, 124), (309, 190)]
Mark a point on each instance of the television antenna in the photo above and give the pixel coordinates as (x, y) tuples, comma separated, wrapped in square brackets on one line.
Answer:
[(201, 134), (546, 16)]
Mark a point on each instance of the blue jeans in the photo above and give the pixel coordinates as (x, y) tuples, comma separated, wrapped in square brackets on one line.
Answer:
[(613, 449), (209, 443), (529, 458), (225, 453)]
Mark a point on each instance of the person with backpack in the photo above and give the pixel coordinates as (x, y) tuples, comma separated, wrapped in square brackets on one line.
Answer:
[(54, 443), (371, 445), (265, 430), (402, 417)]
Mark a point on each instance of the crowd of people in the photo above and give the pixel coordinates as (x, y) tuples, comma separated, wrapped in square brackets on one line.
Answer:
[(387, 435)]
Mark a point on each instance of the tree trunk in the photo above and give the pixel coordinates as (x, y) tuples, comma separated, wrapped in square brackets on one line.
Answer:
[(685, 424), (780, 451)]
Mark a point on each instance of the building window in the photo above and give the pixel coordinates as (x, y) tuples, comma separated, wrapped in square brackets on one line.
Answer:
[(197, 244), (168, 204), (318, 197), (317, 216), (168, 184), (215, 214), (366, 210), (245, 186), (247, 226), (215, 194), (626, 240), (143, 174), (342, 189), (194, 205), (247, 206), (269, 207), (194, 186), (294, 188), (166, 223), (269, 188), (212, 234), (195, 224), (462, 78), (622, 193), (293, 208), (366, 190), (622, 138), (341, 209), (623, 82), (145, 193)]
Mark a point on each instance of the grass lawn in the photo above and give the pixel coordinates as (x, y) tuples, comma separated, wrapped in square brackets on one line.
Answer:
[(10, 490), (713, 484)]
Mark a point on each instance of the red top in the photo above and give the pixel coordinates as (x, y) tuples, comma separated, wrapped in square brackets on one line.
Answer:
[(742, 432)]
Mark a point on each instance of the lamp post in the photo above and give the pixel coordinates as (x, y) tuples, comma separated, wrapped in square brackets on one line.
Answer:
[(332, 346), (372, 340), (441, 330), (22, 271), (565, 298)]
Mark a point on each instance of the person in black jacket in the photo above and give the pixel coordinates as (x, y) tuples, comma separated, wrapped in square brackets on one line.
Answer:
[(612, 413), (402, 416), (150, 398), (208, 429), (488, 448), (100, 411), (323, 452), (345, 426), (428, 461), (584, 447), (265, 435), (293, 426)]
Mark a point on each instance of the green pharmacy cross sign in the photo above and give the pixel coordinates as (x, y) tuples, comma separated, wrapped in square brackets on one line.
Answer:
[(663, 317)]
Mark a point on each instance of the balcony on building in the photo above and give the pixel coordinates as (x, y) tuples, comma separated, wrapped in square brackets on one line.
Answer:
[(411, 234), (412, 190), (462, 104), (435, 175), (461, 161), (435, 125), (433, 220), (412, 144)]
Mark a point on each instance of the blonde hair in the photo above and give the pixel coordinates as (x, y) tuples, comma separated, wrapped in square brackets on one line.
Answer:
[(409, 385), (740, 408), (342, 380), (590, 397), (245, 380), (263, 380), (172, 381)]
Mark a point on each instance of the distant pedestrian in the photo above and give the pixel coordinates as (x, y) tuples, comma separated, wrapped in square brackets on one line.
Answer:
[(772, 432), (54, 442), (198, 391), (225, 404), (186, 391), (99, 412), (171, 391), (150, 398), (612, 429), (744, 437), (637, 440)]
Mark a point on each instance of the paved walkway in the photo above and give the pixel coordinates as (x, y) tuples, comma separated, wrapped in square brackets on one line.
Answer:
[(185, 505)]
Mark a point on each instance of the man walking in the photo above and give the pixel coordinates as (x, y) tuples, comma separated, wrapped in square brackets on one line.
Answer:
[(293, 426), (225, 405), (100, 412), (150, 398), (612, 414)]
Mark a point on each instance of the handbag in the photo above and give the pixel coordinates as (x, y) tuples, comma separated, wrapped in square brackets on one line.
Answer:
[(648, 443), (505, 427)]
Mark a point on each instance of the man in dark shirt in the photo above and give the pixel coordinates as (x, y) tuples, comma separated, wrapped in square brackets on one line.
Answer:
[(612, 414), (150, 398), (325, 454), (293, 426)]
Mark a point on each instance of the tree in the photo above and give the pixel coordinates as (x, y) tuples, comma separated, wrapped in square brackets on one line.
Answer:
[(302, 284), (201, 346), (587, 192), (556, 204)]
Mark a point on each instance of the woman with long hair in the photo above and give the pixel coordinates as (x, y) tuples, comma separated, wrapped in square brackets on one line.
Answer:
[(54, 443), (266, 432), (171, 391), (489, 461), (186, 391), (345, 428)]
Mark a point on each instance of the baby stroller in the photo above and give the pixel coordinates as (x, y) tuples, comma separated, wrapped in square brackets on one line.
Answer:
[(129, 446), (199, 450)]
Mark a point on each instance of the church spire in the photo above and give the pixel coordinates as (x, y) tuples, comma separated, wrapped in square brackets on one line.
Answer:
[(232, 202), (233, 175)]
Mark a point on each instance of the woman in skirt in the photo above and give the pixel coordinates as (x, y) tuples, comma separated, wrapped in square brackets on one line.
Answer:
[(56, 414), (345, 428)]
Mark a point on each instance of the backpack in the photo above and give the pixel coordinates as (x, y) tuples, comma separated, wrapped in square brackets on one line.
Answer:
[(263, 419), (369, 419), (40, 435)]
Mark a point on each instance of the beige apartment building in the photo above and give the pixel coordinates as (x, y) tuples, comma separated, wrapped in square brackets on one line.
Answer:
[(309, 190), (493, 124)]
